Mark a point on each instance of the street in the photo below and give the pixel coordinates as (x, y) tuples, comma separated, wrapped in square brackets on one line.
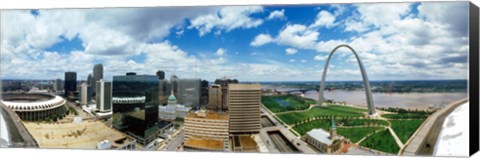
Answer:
[(175, 142)]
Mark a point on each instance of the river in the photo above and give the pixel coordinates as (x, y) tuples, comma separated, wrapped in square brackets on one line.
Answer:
[(401, 100)]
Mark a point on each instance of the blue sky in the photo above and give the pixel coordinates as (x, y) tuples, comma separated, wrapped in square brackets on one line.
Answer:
[(410, 41)]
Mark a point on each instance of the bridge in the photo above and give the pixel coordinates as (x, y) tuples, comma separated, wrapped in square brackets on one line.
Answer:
[(303, 91)]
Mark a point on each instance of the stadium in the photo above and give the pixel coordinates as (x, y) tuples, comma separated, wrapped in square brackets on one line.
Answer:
[(35, 106)]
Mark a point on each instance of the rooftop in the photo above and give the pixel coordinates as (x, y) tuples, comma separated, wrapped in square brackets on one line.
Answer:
[(320, 135), (208, 115), (84, 135), (244, 86), (202, 143)]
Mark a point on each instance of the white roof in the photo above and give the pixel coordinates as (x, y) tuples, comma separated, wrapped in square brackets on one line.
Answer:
[(35, 106), (320, 135)]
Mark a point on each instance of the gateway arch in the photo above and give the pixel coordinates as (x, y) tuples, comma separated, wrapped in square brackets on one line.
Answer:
[(368, 92)]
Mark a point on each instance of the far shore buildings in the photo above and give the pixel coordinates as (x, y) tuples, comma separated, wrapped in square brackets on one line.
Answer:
[(206, 131), (324, 141), (244, 108)]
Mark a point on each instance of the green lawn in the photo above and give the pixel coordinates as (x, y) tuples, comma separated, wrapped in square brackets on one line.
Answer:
[(330, 110), (355, 134), (304, 128), (405, 128), (361, 122), (292, 102), (381, 141), (405, 116)]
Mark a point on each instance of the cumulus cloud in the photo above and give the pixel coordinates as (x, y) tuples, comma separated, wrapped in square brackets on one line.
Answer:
[(221, 52), (291, 51), (277, 14), (320, 57), (227, 18), (261, 39), (324, 19), (298, 36)]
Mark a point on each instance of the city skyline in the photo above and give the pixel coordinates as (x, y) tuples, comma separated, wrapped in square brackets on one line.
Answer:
[(411, 41)]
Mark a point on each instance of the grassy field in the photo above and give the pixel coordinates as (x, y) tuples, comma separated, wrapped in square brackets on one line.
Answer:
[(355, 134), (329, 110), (405, 116), (405, 128), (304, 128), (361, 122), (291, 102), (381, 141)]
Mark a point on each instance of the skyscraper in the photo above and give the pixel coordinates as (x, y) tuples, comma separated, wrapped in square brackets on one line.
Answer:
[(244, 108), (84, 94), (214, 97), (188, 92), (90, 80), (161, 74), (58, 86), (104, 95), (70, 85), (97, 74), (135, 106)]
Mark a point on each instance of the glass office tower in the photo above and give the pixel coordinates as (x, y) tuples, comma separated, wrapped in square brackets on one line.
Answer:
[(135, 106)]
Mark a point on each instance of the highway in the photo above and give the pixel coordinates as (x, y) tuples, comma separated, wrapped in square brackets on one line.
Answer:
[(175, 142), (265, 122), (282, 144)]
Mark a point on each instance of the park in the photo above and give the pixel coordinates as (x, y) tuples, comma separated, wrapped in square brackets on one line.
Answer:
[(379, 133)]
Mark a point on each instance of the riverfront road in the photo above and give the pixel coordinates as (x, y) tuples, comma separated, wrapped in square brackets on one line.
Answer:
[(175, 142), (423, 141)]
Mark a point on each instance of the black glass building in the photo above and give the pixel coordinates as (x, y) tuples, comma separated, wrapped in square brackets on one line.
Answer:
[(70, 84), (135, 106)]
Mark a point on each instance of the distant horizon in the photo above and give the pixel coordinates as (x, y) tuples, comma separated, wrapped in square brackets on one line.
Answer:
[(270, 81)]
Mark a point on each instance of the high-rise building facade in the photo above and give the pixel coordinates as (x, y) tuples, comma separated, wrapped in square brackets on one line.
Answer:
[(84, 94), (188, 92), (97, 74), (165, 89), (161, 74), (135, 106), (70, 84), (244, 108), (104, 95), (90, 80), (58, 85), (204, 128), (214, 97)]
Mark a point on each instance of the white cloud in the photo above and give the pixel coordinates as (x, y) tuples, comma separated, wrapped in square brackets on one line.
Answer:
[(291, 51), (261, 39), (277, 14), (303, 61), (221, 52), (320, 57), (454, 19), (324, 19), (291, 60), (227, 18), (298, 36), (328, 46)]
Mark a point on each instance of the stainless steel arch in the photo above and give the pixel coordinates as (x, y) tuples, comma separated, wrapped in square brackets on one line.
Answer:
[(368, 92)]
